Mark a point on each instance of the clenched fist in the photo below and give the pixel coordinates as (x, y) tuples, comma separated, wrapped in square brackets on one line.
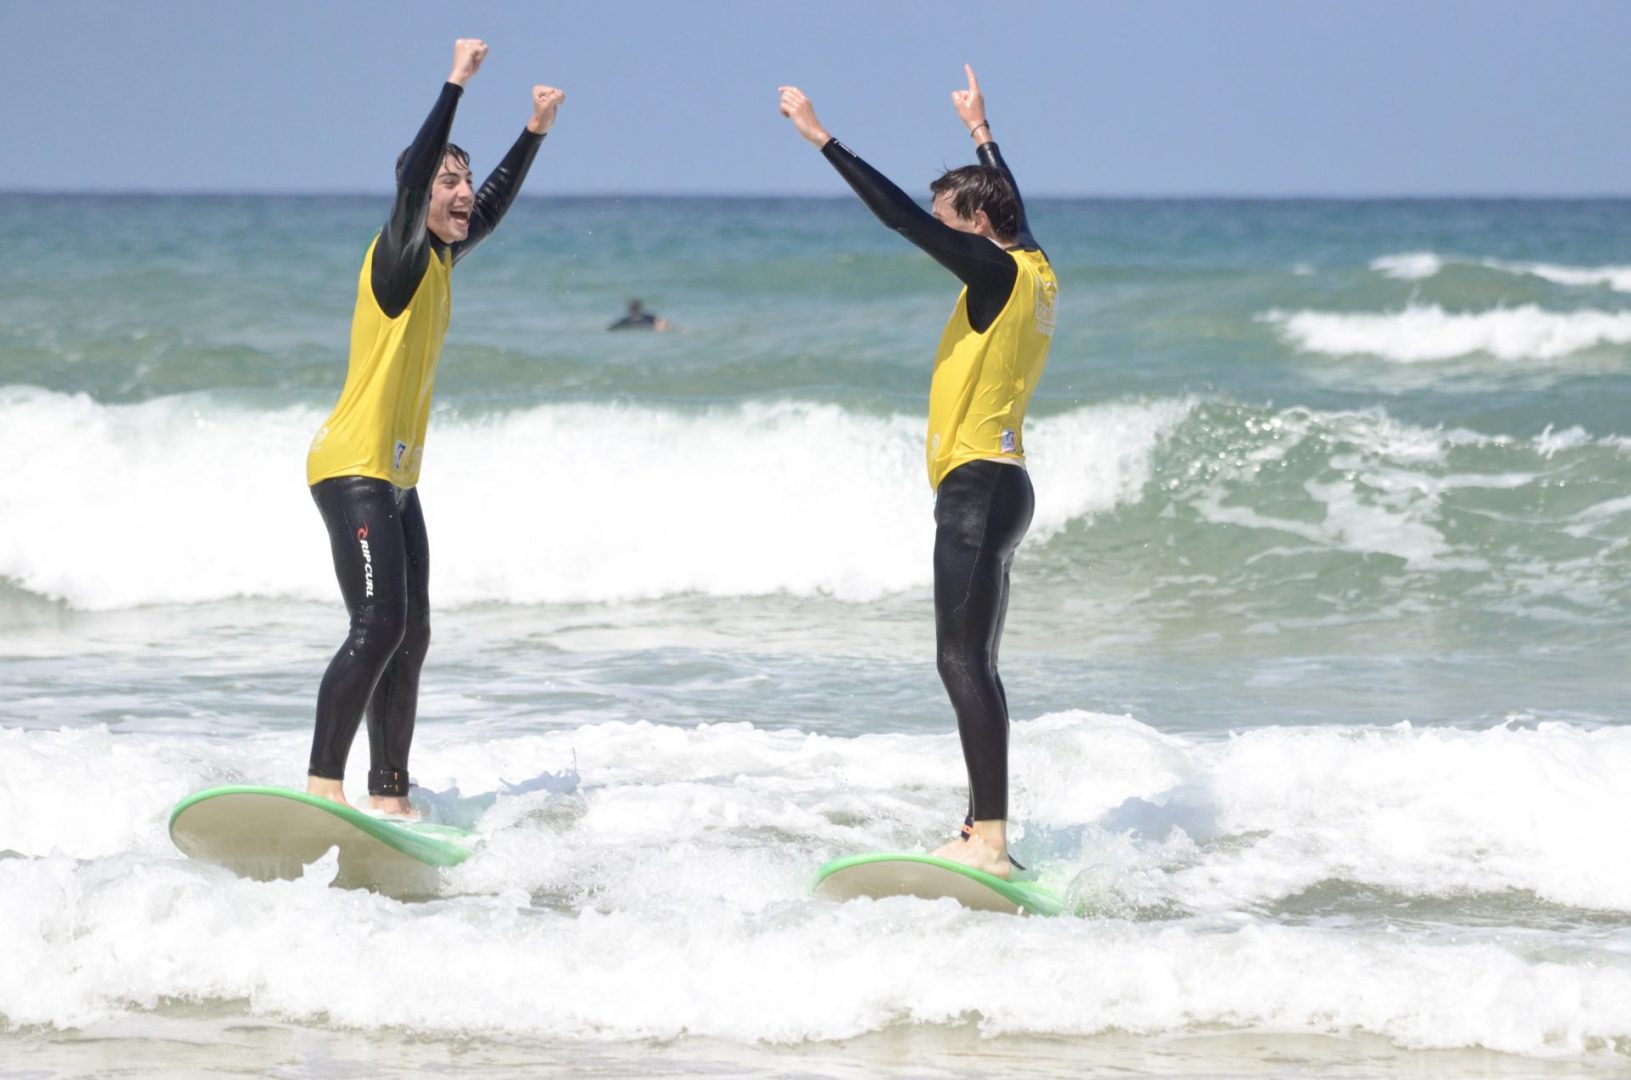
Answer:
[(468, 53), (545, 101)]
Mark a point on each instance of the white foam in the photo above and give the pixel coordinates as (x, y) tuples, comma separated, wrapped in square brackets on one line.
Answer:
[(1410, 266), (1427, 332), (1419, 265), (667, 894), (189, 499), (1379, 490), (1617, 278)]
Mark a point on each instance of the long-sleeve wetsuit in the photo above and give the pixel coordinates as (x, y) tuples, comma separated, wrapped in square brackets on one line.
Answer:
[(405, 244), (364, 463), (987, 270), (990, 357)]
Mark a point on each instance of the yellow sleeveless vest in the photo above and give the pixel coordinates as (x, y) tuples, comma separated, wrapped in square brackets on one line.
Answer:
[(378, 426), (983, 382)]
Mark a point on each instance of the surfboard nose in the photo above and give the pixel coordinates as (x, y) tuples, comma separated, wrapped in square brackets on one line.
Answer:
[(270, 834)]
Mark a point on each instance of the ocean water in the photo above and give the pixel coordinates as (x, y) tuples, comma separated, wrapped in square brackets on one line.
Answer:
[(1316, 652)]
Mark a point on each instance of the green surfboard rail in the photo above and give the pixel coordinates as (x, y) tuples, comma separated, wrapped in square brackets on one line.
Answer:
[(1030, 897), (434, 845)]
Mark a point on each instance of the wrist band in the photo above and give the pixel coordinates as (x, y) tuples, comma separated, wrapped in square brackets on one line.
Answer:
[(982, 124)]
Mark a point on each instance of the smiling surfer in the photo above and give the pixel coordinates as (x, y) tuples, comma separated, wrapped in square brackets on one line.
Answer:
[(990, 357), (363, 467)]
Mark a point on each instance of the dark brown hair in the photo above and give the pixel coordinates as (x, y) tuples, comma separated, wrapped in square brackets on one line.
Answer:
[(453, 151), (981, 187)]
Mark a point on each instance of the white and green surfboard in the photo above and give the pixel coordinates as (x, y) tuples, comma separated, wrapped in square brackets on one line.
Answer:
[(269, 833), (881, 873)]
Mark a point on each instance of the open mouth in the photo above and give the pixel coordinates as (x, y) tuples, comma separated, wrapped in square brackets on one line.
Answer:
[(460, 216)]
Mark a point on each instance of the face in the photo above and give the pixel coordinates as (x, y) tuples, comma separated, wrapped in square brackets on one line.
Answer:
[(451, 198), (946, 214)]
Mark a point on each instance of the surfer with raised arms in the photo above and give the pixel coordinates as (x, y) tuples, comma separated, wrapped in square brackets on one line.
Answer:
[(990, 357), (364, 461)]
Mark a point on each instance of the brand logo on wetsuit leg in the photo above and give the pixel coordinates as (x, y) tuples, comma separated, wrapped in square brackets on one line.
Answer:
[(367, 562)]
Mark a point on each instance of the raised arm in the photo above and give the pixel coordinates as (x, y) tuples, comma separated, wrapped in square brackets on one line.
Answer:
[(976, 261), (403, 250), (970, 106), (504, 183)]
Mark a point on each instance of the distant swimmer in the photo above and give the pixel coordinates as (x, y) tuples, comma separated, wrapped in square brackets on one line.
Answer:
[(638, 318), (990, 357), (364, 461)]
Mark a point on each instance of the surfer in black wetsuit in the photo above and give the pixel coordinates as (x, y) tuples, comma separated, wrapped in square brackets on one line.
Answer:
[(638, 318), (990, 357), (363, 466)]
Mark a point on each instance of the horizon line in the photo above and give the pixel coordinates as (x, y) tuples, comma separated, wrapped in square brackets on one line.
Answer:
[(1112, 196)]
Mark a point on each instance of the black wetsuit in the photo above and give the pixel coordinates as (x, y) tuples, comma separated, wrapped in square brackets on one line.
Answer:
[(982, 508), (377, 530)]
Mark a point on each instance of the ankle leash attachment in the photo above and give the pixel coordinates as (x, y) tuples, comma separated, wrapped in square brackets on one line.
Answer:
[(388, 782)]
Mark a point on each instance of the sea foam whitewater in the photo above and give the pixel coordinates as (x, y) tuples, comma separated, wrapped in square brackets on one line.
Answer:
[(1186, 858), (1416, 265), (646, 502), (1314, 652), (1428, 332)]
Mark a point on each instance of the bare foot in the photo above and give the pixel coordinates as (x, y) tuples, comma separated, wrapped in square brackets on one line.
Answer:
[(394, 805), (985, 849), (322, 786)]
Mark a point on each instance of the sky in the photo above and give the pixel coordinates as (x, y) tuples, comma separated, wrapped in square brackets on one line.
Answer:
[(1086, 97)]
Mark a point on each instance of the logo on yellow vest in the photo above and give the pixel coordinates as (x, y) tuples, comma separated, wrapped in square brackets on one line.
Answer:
[(1047, 306)]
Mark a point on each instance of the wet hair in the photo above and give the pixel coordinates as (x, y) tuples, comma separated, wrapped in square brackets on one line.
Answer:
[(981, 187), (454, 151)]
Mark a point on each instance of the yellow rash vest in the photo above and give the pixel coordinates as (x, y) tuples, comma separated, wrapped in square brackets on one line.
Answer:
[(983, 381), (378, 426)]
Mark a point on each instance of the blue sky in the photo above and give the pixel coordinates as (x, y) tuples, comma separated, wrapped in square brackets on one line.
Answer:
[(1120, 97)]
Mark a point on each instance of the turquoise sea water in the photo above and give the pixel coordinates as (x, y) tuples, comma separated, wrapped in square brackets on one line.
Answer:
[(1315, 654)]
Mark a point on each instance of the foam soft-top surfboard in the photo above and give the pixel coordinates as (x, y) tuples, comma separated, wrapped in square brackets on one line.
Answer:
[(879, 874), (270, 833)]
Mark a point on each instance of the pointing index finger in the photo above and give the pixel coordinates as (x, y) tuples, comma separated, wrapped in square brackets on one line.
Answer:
[(973, 84)]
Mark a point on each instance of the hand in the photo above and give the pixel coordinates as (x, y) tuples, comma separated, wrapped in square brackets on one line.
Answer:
[(545, 100), (468, 53), (970, 105), (797, 108)]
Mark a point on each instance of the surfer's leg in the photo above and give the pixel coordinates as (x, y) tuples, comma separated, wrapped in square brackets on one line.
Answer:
[(395, 702), (996, 632), (365, 537), (981, 514)]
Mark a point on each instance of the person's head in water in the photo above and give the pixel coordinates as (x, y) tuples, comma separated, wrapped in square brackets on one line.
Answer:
[(638, 318), (977, 199), (451, 196)]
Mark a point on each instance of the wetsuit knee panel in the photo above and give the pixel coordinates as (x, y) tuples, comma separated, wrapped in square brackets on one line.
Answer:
[(416, 634), (381, 627)]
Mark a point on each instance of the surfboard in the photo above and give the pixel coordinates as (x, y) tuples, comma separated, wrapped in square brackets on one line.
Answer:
[(269, 833), (881, 873)]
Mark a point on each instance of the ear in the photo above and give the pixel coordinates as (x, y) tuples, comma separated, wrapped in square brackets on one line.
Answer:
[(982, 224)]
